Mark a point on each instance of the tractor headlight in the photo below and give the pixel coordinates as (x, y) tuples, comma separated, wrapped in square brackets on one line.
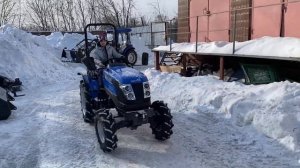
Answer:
[(128, 92), (128, 88), (146, 87)]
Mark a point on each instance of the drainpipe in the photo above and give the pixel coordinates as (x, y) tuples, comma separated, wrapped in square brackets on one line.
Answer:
[(208, 14), (282, 21)]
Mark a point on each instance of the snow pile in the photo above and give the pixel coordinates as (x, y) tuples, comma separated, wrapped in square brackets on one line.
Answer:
[(272, 109), (54, 39), (68, 40), (30, 58), (265, 46)]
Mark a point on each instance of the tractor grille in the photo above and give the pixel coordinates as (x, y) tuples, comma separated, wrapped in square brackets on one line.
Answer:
[(130, 105), (138, 91)]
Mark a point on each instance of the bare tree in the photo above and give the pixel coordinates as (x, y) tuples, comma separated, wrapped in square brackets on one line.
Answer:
[(82, 14), (6, 12), (66, 12), (53, 19), (39, 13), (71, 15), (92, 8), (161, 15), (119, 14)]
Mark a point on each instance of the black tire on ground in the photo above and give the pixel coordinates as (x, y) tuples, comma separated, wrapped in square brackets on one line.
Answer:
[(161, 124), (86, 107), (106, 131), (5, 110), (145, 57), (131, 57)]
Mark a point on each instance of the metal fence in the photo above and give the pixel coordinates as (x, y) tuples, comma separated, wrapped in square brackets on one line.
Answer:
[(154, 34), (238, 26)]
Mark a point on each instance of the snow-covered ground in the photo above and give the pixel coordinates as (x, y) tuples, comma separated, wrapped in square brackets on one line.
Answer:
[(265, 46), (217, 124)]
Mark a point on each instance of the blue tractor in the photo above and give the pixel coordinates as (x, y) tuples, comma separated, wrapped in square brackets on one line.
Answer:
[(123, 44), (119, 98)]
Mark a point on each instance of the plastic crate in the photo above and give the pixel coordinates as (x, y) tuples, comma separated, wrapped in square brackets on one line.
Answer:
[(259, 74)]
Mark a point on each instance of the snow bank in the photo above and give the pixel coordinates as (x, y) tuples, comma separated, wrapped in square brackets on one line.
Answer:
[(54, 39), (30, 58), (272, 109), (69, 40), (265, 46)]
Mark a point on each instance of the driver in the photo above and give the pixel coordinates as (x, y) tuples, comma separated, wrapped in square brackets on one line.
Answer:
[(103, 52)]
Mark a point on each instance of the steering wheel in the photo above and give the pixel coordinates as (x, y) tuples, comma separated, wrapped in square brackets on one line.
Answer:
[(117, 60)]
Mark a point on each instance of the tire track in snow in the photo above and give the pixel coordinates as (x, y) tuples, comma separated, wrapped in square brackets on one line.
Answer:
[(221, 144), (60, 138), (21, 129)]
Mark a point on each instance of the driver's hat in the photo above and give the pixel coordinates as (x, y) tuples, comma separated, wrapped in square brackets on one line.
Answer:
[(103, 36)]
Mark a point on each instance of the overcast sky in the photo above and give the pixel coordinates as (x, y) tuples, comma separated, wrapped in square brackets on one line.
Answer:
[(170, 7)]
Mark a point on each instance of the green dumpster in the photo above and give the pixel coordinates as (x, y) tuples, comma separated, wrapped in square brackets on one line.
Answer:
[(259, 74)]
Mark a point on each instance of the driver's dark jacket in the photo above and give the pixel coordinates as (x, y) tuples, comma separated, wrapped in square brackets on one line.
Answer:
[(99, 54)]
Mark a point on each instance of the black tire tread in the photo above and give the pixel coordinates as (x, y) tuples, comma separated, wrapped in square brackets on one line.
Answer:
[(111, 139), (161, 124), (88, 118)]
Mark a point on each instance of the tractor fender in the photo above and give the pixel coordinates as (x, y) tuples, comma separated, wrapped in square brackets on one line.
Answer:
[(86, 79), (128, 48)]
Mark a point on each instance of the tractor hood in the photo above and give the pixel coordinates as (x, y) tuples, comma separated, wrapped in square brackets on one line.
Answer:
[(125, 75)]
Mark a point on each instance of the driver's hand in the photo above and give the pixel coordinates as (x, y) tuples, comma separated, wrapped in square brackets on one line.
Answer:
[(93, 73), (99, 64)]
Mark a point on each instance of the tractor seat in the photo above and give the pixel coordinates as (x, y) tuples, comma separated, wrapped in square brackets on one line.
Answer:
[(89, 63)]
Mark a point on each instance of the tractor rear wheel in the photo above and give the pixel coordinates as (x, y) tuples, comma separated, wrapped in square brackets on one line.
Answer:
[(106, 131), (161, 124), (131, 57), (86, 107)]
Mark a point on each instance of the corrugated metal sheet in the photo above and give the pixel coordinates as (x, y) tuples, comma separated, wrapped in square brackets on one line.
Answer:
[(292, 23), (211, 27), (198, 7), (219, 22), (266, 20)]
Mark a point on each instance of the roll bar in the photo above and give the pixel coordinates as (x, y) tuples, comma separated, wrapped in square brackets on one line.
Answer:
[(95, 25)]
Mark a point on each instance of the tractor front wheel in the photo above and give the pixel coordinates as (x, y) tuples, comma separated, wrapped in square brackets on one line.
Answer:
[(161, 124), (106, 131)]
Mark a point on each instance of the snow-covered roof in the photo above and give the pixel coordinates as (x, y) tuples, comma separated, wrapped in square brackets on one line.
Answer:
[(282, 48)]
